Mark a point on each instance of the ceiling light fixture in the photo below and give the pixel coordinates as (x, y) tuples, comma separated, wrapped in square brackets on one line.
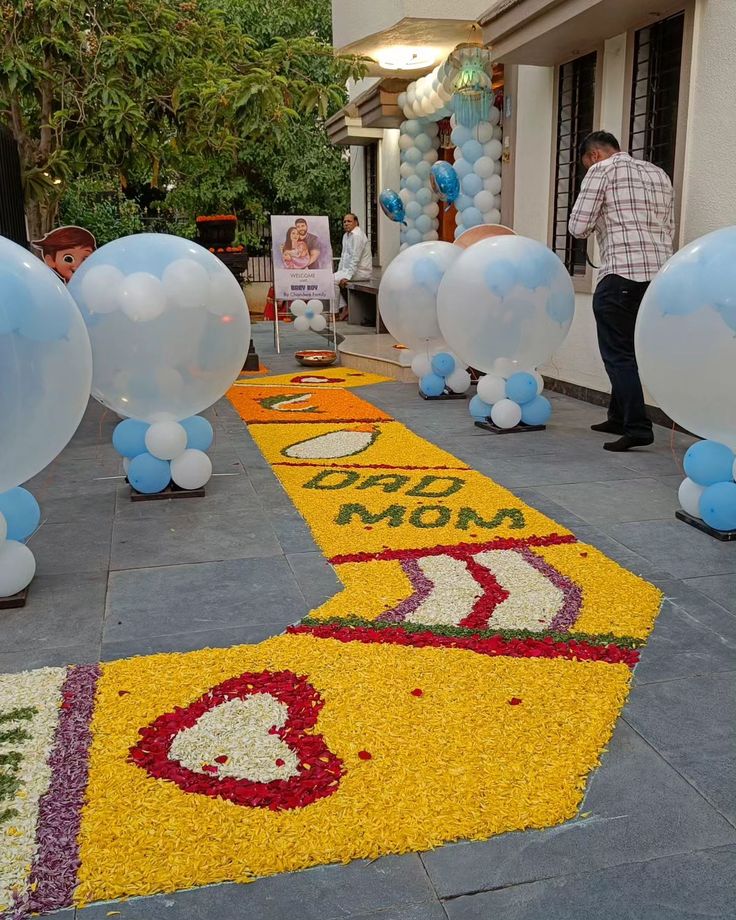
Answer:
[(406, 58)]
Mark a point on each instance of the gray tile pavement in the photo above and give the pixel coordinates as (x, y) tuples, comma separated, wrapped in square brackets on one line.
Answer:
[(658, 839)]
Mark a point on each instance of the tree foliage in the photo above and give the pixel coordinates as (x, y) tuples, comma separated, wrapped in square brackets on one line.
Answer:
[(153, 86)]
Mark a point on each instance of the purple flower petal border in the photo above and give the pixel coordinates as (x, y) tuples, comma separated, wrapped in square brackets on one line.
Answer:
[(54, 872)]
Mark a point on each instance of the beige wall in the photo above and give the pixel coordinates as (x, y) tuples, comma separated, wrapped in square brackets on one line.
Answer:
[(709, 190)]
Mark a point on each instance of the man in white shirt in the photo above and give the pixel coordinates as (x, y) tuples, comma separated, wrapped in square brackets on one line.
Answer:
[(356, 262)]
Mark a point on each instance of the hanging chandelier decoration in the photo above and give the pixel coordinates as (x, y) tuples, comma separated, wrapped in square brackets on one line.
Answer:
[(473, 90)]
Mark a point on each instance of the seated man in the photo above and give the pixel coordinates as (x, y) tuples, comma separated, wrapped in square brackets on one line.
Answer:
[(356, 262)]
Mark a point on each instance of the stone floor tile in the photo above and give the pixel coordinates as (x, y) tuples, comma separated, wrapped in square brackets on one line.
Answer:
[(676, 548), (250, 634), (694, 886), (61, 611), (324, 893), (31, 658), (681, 647), (74, 547), (720, 588), (143, 603), (224, 492), (315, 576), (192, 538), (690, 723), (617, 501)]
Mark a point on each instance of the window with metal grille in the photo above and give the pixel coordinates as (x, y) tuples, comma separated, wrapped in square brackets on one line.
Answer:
[(371, 196), (575, 114), (655, 92)]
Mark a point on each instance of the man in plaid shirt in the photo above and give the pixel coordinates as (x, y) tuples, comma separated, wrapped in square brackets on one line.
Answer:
[(630, 205)]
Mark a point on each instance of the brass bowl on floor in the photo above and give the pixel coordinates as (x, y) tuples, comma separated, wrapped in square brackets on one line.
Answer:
[(316, 358)]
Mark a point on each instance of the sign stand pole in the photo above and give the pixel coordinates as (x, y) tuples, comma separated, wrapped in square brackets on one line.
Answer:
[(276, 337), (333, 317)]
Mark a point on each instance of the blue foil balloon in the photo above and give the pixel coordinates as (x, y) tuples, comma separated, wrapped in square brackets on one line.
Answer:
[(445, 181), (709, 462), (391, 205), (199, 432), (21, 512)]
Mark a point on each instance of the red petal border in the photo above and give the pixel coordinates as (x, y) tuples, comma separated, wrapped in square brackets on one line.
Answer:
[(319, 769)]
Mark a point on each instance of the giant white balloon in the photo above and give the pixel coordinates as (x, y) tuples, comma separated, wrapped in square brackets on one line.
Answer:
[(407, 294), (506, 297), (168, 323), (45, 365), (686, 337)]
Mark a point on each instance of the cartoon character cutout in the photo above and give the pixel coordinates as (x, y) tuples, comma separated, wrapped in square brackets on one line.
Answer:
[(65, 248)]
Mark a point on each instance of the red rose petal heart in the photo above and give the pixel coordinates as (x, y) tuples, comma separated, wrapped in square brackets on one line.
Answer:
[(319, 769)]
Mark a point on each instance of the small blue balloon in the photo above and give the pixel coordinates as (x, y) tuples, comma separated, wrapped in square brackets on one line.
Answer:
[(718, 506), (423, 142), (521, 387), (422, 171), (537, 411), (129, 437), (472, 184), (424, 195), (479, 409), (445, 181), (413, 236), (21, 512), (432, 385), (199, 432), (460, 135), (443, 364), (463, 202), (391, 205), (709, 462), (413, 155), (472, 150), (413, 210), (412, 127), (501, 277), (309, 314), (472, 217), (148, 474), (463, 169), (424, 223), (414, 183)]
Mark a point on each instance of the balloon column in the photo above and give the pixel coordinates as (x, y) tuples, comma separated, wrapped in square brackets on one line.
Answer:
[(308, 315), (407, 299), (45, 375), (474, 185), (686, 350), (504, 306), (169, 328)]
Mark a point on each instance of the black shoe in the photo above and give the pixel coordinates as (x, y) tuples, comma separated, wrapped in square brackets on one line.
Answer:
[(608, 428), (627, 442)]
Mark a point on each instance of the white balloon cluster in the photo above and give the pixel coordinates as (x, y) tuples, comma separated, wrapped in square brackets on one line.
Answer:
[(308, 315), (17, 563), (418, 142), (430, 96), (478, 154)]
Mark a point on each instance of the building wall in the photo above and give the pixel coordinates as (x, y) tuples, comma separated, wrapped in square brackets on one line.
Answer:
[(709, 191)]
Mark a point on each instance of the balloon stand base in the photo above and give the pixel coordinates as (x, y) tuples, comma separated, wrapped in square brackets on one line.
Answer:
[(171, 491), (443, 396), (252, 362), (494, 429), (725, 536), (14, 601)]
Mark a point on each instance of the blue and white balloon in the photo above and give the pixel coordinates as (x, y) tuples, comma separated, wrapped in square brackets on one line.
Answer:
[(686, 337), (491, 306), (45, 365), (392, 205), (163, 349)]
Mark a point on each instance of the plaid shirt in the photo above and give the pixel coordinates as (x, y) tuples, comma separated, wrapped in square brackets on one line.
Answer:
[(630, 205)]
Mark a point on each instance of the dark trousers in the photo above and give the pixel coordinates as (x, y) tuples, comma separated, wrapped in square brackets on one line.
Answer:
[(615, 305)]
